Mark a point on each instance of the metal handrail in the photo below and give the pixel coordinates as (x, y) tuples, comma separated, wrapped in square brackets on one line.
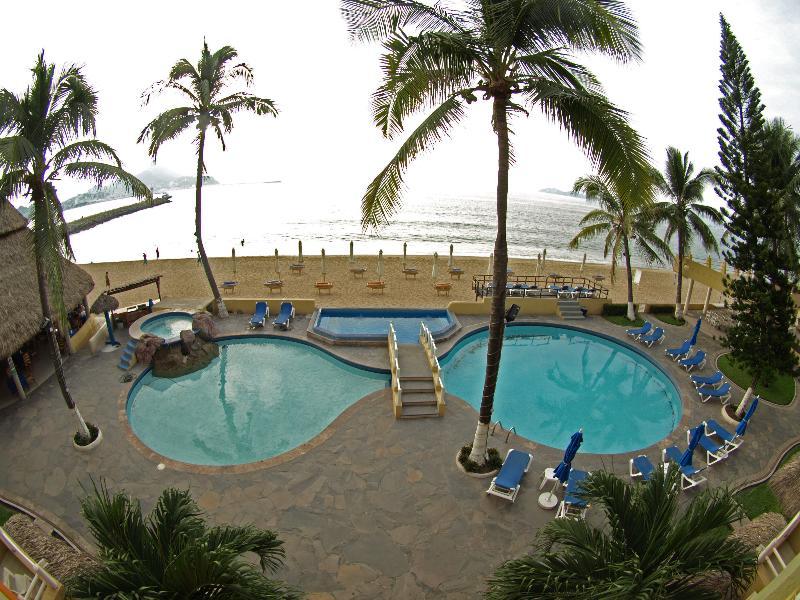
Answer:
[(508, 431)]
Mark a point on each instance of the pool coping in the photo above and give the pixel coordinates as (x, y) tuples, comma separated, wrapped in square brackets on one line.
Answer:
[(279, 459), (135, 330), (316, 332)]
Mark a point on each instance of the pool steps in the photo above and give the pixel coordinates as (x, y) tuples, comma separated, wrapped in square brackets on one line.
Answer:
[(417, 389), (570, 310), (128, 357)]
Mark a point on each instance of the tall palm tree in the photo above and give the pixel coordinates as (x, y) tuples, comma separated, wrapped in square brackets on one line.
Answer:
[(210, 105), (173, 554), (516, 55), (652, 545), (624, 219), (684, 213), (783, 149), (46, 137)]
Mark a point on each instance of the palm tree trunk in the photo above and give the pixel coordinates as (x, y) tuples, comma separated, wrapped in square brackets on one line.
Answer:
[(198, 228), (678, 303), (55, 354), (631, 312), (747, 395), (500, 275)]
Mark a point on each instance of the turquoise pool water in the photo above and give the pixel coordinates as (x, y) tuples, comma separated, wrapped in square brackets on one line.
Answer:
[(167, 326), (554, 380), (260, 398), (373, 323)]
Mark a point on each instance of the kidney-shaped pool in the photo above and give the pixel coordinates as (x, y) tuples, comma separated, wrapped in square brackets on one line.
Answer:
[(554, 380)]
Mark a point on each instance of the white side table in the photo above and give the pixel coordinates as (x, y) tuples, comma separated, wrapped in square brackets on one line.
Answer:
[(549, 477)]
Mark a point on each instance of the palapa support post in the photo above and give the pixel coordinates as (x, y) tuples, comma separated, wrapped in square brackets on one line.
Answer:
[(689, 291), (15, 376), (158, 286)]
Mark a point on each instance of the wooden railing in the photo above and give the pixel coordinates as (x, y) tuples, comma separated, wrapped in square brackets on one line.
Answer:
[(540, 286), (429, 345), (397, 391)]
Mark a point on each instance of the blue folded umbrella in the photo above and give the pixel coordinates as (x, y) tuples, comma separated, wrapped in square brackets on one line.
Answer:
[(561, 472), (693, 339)]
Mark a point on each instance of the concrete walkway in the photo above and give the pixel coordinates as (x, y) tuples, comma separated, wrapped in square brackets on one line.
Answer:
[(377, 510)]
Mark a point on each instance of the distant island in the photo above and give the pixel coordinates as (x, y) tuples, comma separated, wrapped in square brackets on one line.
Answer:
[(156, 178), (558, 192)]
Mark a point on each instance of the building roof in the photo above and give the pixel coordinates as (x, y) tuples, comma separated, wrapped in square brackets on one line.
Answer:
[(20, 311)]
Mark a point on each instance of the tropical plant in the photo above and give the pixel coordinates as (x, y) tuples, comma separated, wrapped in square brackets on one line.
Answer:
[(210, 105), (172, 554), (49, 134), (625, 221), (759, 242), (782, 146), (652, 546), (684, 213), (515, 54)]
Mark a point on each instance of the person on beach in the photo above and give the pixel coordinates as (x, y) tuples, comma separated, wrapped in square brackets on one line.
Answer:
[(158, 254), (144, 258), (108, 281), (242, 242)]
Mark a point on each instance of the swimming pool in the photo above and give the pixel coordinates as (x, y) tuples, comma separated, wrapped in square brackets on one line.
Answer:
[(372, 324), (261, 397), (555, 380), (167, 325)]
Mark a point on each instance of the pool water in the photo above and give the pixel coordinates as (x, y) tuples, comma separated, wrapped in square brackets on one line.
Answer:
[(167, 326), (555, 380), (259, 398), (374, 323)]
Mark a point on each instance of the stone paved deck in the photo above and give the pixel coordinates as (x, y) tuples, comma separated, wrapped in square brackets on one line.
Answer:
[(378, 510)]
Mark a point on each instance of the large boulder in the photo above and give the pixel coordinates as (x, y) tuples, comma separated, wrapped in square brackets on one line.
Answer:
[(146, 348), (170, 360), (203, 324)]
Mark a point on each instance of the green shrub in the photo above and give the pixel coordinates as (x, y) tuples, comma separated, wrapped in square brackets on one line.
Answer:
[(493, 460), (81, 440), (615, 310)]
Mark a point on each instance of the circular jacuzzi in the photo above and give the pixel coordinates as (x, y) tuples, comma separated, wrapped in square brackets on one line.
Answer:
[(167, 325)]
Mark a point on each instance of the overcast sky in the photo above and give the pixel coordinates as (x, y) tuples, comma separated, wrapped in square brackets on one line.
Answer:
[(324, 144)]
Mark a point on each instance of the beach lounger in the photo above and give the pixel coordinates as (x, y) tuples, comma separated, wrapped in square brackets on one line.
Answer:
[(640, 466), (698, 360), (640, 331), (656, 337), (678, 353), (258, 318), (714, 380), (690, 475), (723, 392), (714, 452), (573, 506), (507, 483), (285, 316), (731, 440)]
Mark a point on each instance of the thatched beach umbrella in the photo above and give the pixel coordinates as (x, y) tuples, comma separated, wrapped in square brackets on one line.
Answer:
[(450, 262), (405, 247), (277, 264), (544, 259), (105, 304), (352, 257), (380, 265), (583, 262), (435, 270), (539, 263), (490, 266), (299, 251), (322, 265)]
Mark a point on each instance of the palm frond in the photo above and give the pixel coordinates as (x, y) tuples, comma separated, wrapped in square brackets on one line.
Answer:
[(373, 20), (101, 173), (78, 150), (553, 64), (16, 151), (167, 126), (700, 227)]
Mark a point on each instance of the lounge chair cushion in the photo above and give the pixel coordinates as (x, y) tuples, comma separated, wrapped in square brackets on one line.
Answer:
[(514, 467)]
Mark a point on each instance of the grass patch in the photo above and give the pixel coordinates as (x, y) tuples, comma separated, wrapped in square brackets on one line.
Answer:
[(669, 319), (5, 514), (779, 391), (623, 320), (789, 456), (758, 500)]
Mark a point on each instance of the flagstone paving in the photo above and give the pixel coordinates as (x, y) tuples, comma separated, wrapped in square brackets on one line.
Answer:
[(377, 510)]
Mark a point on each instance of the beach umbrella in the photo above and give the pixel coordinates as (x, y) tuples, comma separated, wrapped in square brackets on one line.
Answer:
[(106, 303), (277, 264), (233, 256), (694, 439), (299, 251), (435, 271), (544, 258), (405, 247), (742, 426), (322, 265), (583, 262), (539, 263), (693, 341), (450, 262), (352, 258), (380, 265), (490, 267)]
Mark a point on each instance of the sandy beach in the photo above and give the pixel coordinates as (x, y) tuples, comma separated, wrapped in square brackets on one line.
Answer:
[(184, 278)]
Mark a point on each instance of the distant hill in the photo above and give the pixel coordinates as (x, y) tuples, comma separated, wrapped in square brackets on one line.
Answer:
[(563, 193), (156, 178)]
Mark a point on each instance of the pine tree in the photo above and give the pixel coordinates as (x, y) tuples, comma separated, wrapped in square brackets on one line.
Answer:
[(761, 340)]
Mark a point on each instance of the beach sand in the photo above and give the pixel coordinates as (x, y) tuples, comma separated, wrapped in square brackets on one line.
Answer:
[(184, 278)]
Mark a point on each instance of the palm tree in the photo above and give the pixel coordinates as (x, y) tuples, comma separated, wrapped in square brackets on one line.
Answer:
[(209, 105), (648, 548), (46, 131), (684, 212), (173, 554), (515, 54), (783, 148), (625, 221)]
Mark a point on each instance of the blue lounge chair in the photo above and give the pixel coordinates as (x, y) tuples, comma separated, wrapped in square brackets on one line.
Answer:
[(689, 474), (678, 353), (640, 331), (258, 318), (731, 440), (285, 316), (507, 483), (643, 467), (656, 337), (714, 380), (714, 452), (698, 360), (723, 392), (573, 506)]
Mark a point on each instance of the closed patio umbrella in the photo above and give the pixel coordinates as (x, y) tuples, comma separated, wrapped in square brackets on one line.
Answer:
[(490, 268), (405, 247), (544, 258), (233, 256), (435, 270), (450, 262), (299, 251), (696, 331), (583, 262), (694, 439), (539, 263), (352, 257), (105, 304), (322, 268), (380, 265), (742, 426), (277, 264), (561, 472)]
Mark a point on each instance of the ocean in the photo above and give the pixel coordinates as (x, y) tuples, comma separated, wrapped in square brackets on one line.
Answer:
[(269, 216)]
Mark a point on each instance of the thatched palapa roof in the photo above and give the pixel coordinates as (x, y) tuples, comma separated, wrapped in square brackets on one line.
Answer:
[(20, 313), (104, 303), (785, 483), (760, 531)]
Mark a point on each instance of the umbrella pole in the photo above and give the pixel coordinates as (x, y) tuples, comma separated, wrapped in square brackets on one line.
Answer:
[(111, 339)]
